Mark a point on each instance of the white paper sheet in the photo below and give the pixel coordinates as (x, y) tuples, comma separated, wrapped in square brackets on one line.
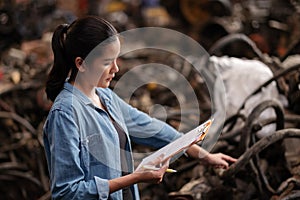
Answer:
[(184, 142)]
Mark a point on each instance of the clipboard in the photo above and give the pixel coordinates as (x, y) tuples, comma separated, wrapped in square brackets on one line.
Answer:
[(180, 144)]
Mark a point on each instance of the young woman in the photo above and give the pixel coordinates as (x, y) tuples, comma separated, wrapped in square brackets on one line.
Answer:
[(89, 129)]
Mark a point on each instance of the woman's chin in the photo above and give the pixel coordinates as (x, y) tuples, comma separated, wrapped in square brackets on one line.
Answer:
[(104, 85)]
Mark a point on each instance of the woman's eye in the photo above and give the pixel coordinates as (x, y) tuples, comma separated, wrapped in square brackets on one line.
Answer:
[(107, 64)]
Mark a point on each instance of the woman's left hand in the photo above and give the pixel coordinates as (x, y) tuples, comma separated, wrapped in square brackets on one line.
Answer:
[(218, 160)]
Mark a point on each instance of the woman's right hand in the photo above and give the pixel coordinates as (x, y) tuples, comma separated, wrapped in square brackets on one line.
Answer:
[(141, 175), (151, 176)]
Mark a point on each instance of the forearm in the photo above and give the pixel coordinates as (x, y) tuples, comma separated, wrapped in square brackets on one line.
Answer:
[(215, 159), (150, 176), (122, 182), (195, 151)]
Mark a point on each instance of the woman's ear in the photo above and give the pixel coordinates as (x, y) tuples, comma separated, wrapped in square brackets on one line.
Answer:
[(79, 62)]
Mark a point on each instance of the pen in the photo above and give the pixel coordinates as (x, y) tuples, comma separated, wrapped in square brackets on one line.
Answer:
[(156, 168)]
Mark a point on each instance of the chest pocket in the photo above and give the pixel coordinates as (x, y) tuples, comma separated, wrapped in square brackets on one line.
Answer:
[(98, 150)]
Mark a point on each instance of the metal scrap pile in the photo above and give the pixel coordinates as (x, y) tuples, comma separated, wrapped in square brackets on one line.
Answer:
[(268, 167), (22, 110)]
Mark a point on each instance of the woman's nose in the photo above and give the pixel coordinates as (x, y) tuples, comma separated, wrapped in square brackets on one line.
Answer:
[(115, 67)]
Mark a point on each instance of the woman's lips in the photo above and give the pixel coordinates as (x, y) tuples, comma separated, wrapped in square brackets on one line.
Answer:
[(109, 79)]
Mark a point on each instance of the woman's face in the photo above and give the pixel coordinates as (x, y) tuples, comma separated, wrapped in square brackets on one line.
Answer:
[(103, 68)]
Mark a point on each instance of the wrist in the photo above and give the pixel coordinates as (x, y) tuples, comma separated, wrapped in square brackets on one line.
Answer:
[(123, 181), (203, 154), (204, 157), (197, 152), (135, 176)]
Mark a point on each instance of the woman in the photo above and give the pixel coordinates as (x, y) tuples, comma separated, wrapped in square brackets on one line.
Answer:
[(89, 128)]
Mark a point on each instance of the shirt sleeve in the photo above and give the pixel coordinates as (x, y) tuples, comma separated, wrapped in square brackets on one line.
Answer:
[(144, 129), (62, 146)]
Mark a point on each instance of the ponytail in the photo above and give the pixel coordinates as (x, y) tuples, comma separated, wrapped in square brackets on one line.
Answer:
[(72, 41), (61, 68)]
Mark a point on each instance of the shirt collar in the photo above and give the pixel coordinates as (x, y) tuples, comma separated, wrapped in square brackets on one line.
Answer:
[(104, 95), (101, 92), (76, 92)]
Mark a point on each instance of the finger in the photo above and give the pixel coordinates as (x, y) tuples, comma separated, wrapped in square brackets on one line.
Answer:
[(219, 166), (163, 169), (165, 165), (159, 181), (225, 165), (158, 160), (166, 162), (229, 158)]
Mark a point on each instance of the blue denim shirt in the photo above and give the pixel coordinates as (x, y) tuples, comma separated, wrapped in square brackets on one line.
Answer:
[(82, 146)]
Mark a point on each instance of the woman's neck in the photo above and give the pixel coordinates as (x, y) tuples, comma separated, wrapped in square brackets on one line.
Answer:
[(90, 92)]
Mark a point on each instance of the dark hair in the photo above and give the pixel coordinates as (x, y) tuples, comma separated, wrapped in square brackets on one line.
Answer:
[(71, 41)]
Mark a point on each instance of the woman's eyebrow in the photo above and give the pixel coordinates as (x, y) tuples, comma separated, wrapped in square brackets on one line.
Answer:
[(109, 59)]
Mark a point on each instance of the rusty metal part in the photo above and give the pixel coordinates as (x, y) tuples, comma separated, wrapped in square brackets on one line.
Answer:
[(193, 190), (19, 119), (251, 122), (293, 49), (195, 11), (284, 185), (256, 148), (248, 138), (292, 196), (250, 48), (231, 122), (198, 12)]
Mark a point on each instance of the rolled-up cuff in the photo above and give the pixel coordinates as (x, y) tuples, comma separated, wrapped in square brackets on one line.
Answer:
[(102, 187)]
